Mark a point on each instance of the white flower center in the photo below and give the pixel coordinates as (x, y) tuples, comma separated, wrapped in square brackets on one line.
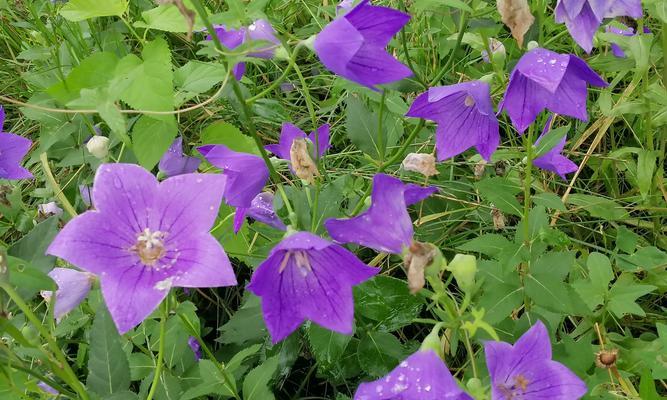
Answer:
[(302, 262), (520, 385), (469, 101), (150, 246)]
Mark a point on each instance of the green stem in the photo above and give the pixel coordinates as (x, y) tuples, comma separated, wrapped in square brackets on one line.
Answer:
[(55, 187), (404, 44), (527, 183), (381, 148), (281, 78), (309, 100), (73, 380), (462, 24), (160, 354)]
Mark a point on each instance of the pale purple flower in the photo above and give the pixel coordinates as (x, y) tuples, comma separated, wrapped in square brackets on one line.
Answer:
[(289, 132), (174, 162), (497, 50), (47, 389), (145, 237), (287, 87), (246, 173), (344, 6), (353, 45), (544, 79), (73, 287), (308, 278), (622, 31), (12, 150), (261, 30), (195, 347), (261, 209), (553, 160), (231, 39), (525, 370), (85, 192), (583, 17), (48, 209), (422, 376), (465, 117), (386, 226)]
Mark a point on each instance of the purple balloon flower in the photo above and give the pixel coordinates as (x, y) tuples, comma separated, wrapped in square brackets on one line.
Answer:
[(465, 118), (145, 237), (353, 45), (583, 17), (85, 192), (526, 370), (308, 278), (622, 31), (422, 376), (261, 209), (12, 150), (246, 173), (544, 79), (386, 226), (195, 347), (552, 160), (73, 287), (174, 162), (231, 39), (290, 132)]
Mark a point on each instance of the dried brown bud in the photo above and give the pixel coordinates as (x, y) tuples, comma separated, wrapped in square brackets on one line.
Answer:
[(420, 256), (478, 169), (498, 219), (516, 15), (302, 163), (420, 162), (606, 358)]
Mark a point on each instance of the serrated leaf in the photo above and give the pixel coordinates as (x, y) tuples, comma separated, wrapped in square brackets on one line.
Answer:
[(255, 384), (379, 352), (151, 137), (327, 346), (229, 135), (599, 207), (624, 294), (108, 368), (246, 325), (92, 72), (490, 244), (32, 247), (79, 10), (167, 17), (549, 200), (362, 128), (502, 193), (386, 301)]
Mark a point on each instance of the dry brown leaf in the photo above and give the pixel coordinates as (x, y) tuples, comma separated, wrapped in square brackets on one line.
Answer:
[(304, 166), (419, 257), (516, 15), (420, 162)]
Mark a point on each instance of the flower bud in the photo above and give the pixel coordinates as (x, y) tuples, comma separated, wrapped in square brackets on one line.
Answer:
[(48, 209), (98, 146), (498, 52), (432, 341), (464, 268), (303, 165), (532, 45)]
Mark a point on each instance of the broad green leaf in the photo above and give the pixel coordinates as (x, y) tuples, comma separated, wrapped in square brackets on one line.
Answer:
[(386, 301), (599, 206), (79, 10), (546, 287), (327, 346), (229, 135), (92, 72), (624, 294), (593, 291), (151, 138), (647, 387), (211, 383), (32, 247), (246, 325), (168, 18), (549, 200), (140, 366), (646, 162), (196, 77), (379, 352), (550, 140), (430, 5), (108, 368), (362, 128), (490, 244), (124, 395), (646, 258), (255, 384), (28, 279), (502, 193), (658, 9), (102, 101)]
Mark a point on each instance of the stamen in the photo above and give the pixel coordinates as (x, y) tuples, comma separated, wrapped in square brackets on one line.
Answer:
[(149, 246), (302, 262)]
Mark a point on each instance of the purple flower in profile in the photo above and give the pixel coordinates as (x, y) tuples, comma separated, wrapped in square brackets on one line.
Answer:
[(145, 237), (422, 376), (465, 118), (544, 79), (526, 371), (261, 209), (174, 162), (386, 226), (308, 278), (583, 17), (553, 160), (73, 287), (622, 31), (246, 173), (231, 39), (85, 192), (289, 132), (195, 347), (12, 150), (353, 45), (47, 389)]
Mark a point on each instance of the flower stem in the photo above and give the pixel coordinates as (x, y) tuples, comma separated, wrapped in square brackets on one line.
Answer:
[(527, 182), (160, 354), (281, 78), (55, 187), (381, 148), (462, 24), (73, 380)]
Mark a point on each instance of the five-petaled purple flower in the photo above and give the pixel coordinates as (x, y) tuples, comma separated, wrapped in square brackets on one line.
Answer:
[(386, 226), (622, 31), (289, 132), (145, 237), (422, 376), (12, 150), (246, 173), (583, 17), (73, 287), (308, 278), (465, 118), (544, 79), (260, 30), (353, 45), (174, 162), (261, 209), (526, 371), (553, 160)]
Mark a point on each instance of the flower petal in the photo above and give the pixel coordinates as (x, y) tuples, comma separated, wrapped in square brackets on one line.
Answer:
[(12, 149), (73, 287), (200, 262)]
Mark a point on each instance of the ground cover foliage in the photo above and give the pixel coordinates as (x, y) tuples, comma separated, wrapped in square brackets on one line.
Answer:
[(466, 243)]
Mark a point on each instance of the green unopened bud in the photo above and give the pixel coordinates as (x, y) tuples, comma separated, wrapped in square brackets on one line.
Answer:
[(310, 42), (432, 341), (488, 78), (281, 53), (464, 268), (532, 45)]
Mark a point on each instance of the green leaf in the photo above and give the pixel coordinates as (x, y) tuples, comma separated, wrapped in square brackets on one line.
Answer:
[(92, 72), (430, 5), (229, 135), (594, 290), (647, 389), (624, 294), (646, 162), (387, 301), (79, 10), (140, 366), (167, 17), (197, 77), (246, 325), (327, 346), (124, 395), (646, 258), (32, 247), (549, 200), (211, 383), (599, 206), (550, 140), (545, 286), (151, 138), (108, 368), (27, 279), (255, 384), (362, 128), (490, 244), (502, 193), (379, 352)]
